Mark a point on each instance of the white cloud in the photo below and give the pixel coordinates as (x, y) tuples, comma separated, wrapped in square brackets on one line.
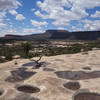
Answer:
[(2, 14), (2, 17), (9, 4), (24, 31), (13, 12), (91, 25), (20, 17), (28, 30), (31, 31), (61, 28), (33, 9), (6, 31), (38, 24), (2, 24), (63, 11), (96, 15)]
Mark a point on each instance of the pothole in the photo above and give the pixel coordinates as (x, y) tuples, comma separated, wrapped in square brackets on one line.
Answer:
[(48, 69), (33, 64), (72, 85), (19, 75), (1, 92), (86, 68), (28, 89), (87, 96), (77, 75)]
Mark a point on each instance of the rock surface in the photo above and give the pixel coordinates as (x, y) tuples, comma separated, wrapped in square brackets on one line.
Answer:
[(50, 85)]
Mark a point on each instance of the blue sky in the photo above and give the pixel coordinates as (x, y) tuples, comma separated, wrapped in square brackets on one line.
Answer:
[(24, 17)]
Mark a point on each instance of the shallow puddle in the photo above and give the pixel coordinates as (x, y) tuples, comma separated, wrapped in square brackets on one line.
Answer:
[(28, 89), (19, 75), (72, 85), (77, 75), (87, 96), (48, 69)]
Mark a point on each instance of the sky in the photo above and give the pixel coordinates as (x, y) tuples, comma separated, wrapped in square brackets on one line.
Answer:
[(23, 17)]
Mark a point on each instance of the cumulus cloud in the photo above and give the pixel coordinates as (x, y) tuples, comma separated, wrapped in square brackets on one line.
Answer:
[(24, 31), (28, 30), (61, 28), (33, 9), (63, 11), (2, 17), (96, 15), (20, 17), (38, 24), (13, 12), (2, 24), (9, 4), (91, 25), (31, 30)]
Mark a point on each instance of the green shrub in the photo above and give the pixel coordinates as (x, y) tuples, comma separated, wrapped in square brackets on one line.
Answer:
[(26, 47)]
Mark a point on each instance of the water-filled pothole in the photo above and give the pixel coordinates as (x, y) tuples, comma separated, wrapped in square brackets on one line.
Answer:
[(48, 69), (28, 89), (19, 75), (1, 92), (77, 75), (72, 85), (86, 68), (33, 64), (87, 96)]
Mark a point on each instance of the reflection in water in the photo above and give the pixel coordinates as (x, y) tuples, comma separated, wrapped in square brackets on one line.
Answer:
[(87, 96), (28, 89), (19, 75), (78, 75), (32, 64), (48, 69), (72, 85)]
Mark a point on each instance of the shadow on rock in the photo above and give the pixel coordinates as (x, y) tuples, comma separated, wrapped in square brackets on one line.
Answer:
[(34, 64)]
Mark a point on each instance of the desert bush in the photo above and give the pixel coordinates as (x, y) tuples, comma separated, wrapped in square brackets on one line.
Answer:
[(26, 47)]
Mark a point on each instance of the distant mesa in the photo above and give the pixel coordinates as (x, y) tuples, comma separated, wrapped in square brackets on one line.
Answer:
[(56, 31), (10, 35), (57, 34)]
